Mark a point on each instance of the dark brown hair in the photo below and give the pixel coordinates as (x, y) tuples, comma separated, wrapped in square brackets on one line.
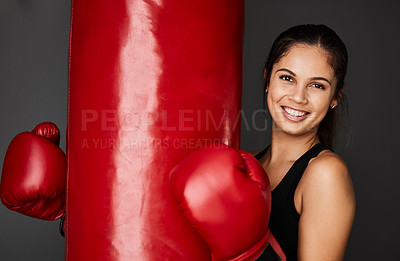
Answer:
[(323, 37)]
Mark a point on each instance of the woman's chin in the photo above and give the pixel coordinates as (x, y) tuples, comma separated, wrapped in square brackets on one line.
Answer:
[(295, 129)]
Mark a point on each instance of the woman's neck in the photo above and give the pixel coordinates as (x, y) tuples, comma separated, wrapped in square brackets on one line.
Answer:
[(290, 147)]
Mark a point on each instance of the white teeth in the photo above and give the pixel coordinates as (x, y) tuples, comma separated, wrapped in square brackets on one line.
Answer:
[(293, 112)]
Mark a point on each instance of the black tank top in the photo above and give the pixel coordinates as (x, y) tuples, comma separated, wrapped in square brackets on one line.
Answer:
[(284, 219)]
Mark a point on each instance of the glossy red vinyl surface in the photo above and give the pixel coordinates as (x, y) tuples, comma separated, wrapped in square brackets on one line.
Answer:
[(150, 81)]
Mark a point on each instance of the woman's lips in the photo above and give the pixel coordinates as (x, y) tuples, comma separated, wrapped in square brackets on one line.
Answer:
[(293, 114)]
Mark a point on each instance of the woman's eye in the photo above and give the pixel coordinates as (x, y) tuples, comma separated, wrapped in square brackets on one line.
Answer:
[(317, 85), (286, 78)]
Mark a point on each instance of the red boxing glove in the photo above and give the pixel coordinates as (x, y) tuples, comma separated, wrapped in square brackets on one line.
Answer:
[(34, 171), (225, 195)]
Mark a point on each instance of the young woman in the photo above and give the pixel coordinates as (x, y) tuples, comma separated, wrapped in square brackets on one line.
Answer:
[(313, 202)]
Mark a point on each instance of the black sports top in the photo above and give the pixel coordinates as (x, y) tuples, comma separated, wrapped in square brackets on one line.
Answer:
[(284, 219)]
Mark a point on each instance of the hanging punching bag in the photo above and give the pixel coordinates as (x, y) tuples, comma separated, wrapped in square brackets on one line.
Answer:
[(149, 82)]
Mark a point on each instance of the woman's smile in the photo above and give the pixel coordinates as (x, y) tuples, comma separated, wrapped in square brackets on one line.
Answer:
[(294, 114)]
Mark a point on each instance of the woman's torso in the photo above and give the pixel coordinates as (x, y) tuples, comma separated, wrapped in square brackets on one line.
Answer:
[(284, 218)]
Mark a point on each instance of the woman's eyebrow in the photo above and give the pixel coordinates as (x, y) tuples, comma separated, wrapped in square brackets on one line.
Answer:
[(313, 78), (286, 70), (321, 79)]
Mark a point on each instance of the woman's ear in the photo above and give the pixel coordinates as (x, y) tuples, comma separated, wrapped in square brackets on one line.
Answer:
[(336, 99), (265, 80)]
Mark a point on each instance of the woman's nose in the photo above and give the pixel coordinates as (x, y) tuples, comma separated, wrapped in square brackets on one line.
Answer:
[(299, 94)]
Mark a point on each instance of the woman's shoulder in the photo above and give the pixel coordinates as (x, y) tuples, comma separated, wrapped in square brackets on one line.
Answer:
[(326, 205), (327, 163), (328, 171)]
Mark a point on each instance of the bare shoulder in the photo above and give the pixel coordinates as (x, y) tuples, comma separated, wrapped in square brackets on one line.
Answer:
[(328, 173), (327, 208), (327, 166)]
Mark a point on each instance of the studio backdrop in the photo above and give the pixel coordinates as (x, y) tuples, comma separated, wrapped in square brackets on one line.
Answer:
[(34, 86)]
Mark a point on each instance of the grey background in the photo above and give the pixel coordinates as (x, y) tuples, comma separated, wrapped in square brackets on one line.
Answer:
[(33, 82)]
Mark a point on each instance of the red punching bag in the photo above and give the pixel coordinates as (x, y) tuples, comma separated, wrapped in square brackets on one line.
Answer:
[(149, 82)]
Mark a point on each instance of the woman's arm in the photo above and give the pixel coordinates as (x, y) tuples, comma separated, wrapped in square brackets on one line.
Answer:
[(327, 210)]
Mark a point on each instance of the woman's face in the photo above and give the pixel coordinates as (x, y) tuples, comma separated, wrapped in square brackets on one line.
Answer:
[(301, 90)]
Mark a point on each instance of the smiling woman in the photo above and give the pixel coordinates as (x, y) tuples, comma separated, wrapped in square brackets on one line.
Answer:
[(332, 51), (313, 202), (302, 93)]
